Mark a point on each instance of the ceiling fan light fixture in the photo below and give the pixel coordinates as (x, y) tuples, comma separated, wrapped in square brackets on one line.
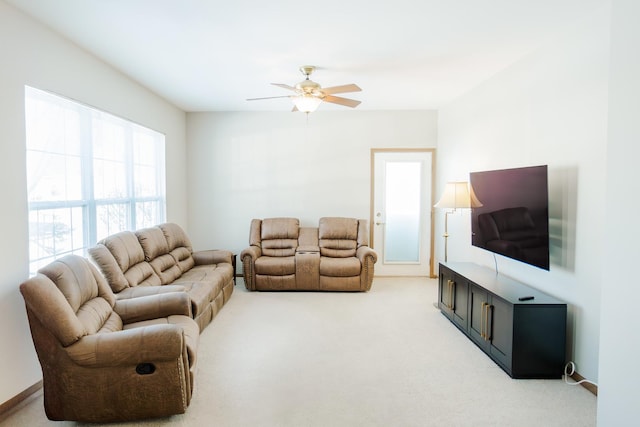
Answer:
[(308, 95), (306, 103)]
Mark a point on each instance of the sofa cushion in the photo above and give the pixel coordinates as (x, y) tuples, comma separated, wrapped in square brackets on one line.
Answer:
[(178, 245), (153, 242), (201, 294), (338, 237), (112, 324), (166, 267), (279, 247), (176, 237), (275, 266), (142, 274), (339, 267), (279, 236), (85, 290), (109, 267), (129, 257), (308, 238), (125, 248), (207, 273), (184, 258), (280, 228)]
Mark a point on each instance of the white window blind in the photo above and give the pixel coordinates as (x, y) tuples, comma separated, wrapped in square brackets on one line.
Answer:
[(89, 174)]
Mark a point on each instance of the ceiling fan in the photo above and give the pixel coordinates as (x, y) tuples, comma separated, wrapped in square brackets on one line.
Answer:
[(309, 94)]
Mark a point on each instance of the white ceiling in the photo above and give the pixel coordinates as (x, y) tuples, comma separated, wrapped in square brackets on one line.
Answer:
[(405, 54)]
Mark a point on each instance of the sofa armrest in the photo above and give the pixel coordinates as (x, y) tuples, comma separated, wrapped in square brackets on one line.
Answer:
[(254, 252), (368, 257), (365, 251), (212, 256), (153, 307), (249, 257), (153, 343)]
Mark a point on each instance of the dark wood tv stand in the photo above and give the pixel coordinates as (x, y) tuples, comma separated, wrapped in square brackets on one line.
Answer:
[(526, 338)]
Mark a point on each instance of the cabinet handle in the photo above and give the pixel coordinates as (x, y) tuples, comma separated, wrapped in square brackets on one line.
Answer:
[(448, 302), (482, 314), (485, 316), (452, 299), (487, 334)]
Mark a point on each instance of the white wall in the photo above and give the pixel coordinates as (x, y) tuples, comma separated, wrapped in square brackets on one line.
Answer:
[(259, 165), (32, 55), (548, 108), (619, 345)]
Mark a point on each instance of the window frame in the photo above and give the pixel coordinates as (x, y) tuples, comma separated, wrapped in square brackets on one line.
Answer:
[(133, 133)]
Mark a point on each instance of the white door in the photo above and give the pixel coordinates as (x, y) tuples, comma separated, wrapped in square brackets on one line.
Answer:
[(401, 221)]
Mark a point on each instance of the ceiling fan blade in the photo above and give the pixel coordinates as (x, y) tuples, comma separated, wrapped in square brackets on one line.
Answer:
[(284, 86), (269, 97), (341, 89), (341, 101)]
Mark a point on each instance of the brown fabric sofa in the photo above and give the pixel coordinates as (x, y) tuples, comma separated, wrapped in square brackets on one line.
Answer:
[(335, 256), (160, 259), (104, 359)]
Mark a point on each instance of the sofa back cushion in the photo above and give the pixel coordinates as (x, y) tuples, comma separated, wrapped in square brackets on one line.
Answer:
[(179, 245), (153, 242), (279, 236), (87, 295), (109, 267), (176, 236), (121, 259), (156, 253), (338, 237), (308, 238)]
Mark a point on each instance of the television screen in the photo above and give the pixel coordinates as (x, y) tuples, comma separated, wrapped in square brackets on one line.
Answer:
[(514, 217)]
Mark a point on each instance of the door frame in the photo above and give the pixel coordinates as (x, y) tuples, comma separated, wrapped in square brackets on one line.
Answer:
[(374, 151)]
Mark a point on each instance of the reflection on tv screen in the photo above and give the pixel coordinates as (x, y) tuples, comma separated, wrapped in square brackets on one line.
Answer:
[(513, 220)]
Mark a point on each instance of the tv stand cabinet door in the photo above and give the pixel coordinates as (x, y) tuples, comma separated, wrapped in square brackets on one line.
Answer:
[(491, 325), (501, 336), (445, 292), (452, 297), (478, 298)]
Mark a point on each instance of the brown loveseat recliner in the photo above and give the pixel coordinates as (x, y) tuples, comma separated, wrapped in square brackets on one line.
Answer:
[(335, 256), (103, 359), (160, 259)]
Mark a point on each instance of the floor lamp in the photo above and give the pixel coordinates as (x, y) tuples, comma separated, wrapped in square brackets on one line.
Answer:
[(457, 195)]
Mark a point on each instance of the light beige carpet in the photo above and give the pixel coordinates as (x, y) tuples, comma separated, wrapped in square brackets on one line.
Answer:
[(382, 358)]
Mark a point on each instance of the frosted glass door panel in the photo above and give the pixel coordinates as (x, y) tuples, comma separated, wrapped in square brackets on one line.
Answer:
[(402, 207)]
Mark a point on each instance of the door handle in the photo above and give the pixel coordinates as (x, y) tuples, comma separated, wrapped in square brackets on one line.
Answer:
[(379, 215)]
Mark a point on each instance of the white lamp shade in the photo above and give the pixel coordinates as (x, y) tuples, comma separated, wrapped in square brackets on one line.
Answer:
[(306, 103), (458, 195)]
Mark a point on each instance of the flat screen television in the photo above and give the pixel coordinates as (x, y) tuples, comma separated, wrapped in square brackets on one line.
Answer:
[(514, 217)]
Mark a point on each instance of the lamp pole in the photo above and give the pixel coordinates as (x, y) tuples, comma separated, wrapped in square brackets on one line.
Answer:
[(446, 231)]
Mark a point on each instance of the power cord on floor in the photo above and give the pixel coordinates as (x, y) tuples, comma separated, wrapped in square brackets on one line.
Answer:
[(569, 370)]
